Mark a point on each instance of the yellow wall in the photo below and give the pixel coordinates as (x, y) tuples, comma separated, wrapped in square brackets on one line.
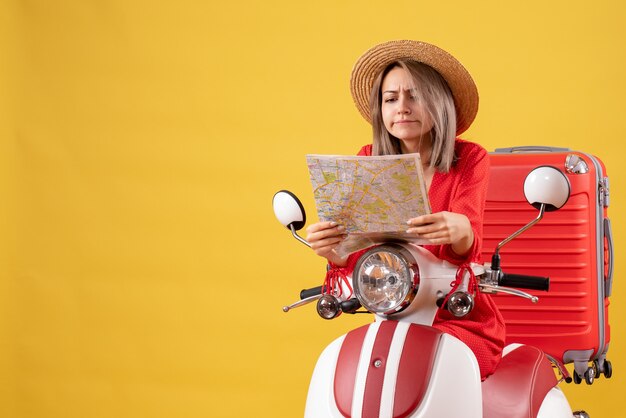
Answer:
[(142, 272)]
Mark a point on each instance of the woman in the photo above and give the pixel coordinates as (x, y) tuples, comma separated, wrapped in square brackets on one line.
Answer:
[(418, 98)]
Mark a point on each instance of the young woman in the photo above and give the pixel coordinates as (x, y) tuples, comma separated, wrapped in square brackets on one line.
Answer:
[(418, 98)]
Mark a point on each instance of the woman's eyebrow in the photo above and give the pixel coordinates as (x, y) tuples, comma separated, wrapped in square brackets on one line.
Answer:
[(411, 90)]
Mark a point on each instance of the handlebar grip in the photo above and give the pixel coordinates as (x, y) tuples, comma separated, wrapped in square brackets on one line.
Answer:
[(314, 291), (350, 305), (524, 282)]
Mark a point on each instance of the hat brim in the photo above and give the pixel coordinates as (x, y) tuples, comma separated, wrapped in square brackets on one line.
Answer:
[(376, 59)]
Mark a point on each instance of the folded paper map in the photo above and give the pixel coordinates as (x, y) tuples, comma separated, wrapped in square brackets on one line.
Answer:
[(372, 196)]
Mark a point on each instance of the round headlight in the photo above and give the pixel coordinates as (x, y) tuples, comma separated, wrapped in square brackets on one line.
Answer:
[(386, 279)]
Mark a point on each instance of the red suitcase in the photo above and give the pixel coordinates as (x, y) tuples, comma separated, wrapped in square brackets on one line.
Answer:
[(571, 246)]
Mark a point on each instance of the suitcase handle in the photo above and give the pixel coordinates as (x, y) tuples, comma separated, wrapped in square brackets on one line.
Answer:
[(530, 148), (608, 280)]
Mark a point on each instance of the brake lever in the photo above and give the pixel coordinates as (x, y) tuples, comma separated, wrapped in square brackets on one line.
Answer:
[(487, 288), (302, 302)]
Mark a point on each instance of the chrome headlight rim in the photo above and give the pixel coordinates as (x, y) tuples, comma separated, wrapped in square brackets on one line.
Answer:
[(408, 260)]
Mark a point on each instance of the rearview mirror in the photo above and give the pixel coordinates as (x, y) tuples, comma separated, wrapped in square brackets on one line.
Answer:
[(289, 210), (548, 186)]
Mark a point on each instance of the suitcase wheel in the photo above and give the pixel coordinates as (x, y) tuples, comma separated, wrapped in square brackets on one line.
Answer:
[(607, 370), (589, 376), (602, 368), (597, 369)]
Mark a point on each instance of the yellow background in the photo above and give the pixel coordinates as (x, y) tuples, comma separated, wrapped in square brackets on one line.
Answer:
[(142, 273)]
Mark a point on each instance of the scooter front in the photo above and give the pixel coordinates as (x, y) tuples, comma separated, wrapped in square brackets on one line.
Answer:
[(397, 366), (395, 369), (400, 366)]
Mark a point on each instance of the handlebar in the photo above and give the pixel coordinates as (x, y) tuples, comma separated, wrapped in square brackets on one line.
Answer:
[(314, 291), (524, 282)]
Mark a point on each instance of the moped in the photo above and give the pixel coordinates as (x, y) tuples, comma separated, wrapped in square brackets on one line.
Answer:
[(399, 365)]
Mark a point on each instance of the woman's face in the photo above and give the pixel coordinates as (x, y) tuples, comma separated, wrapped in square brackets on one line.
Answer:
[(404, 115)]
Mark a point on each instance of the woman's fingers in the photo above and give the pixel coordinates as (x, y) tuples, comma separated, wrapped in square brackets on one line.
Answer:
[(325, 247), (425, 219), (320, 226), (323, 230), (440, 227), (324, 237), (425, 229), (425, 224), (325, 242)]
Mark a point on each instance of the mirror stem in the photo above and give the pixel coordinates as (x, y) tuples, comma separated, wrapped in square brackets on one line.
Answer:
[(298, 237), (542, 210)]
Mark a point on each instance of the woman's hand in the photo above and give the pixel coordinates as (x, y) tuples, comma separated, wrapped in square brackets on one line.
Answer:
[(324, 237), (444, 228)]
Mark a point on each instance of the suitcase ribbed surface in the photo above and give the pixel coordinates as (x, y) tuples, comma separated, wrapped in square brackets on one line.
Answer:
[(562, 246)]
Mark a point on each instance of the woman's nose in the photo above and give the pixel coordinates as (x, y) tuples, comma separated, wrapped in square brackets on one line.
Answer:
[(403, 105)]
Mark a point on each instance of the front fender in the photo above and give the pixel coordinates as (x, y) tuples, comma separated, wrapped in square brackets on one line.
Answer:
[(395, 369)]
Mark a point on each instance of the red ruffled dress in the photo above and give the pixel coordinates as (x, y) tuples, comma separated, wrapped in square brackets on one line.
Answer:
[(463, 190)]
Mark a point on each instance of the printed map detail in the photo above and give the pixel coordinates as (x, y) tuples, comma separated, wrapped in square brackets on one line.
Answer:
[(371, 196)]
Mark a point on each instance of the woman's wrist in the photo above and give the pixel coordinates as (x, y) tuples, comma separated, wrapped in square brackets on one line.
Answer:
[(463, 246), (336, 261)]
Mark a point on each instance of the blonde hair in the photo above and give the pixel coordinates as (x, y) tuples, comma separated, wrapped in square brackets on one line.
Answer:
[(432, 90)]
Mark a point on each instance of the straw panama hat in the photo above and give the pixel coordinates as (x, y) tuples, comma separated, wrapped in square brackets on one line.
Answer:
[(376, 59)]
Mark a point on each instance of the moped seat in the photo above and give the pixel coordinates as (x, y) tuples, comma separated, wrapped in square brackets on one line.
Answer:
[(519, 385)]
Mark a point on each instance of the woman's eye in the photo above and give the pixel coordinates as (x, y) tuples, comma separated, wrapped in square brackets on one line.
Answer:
[(390, 99)]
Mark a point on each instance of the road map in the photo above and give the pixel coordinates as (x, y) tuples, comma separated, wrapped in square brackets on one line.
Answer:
[(372, 196)]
